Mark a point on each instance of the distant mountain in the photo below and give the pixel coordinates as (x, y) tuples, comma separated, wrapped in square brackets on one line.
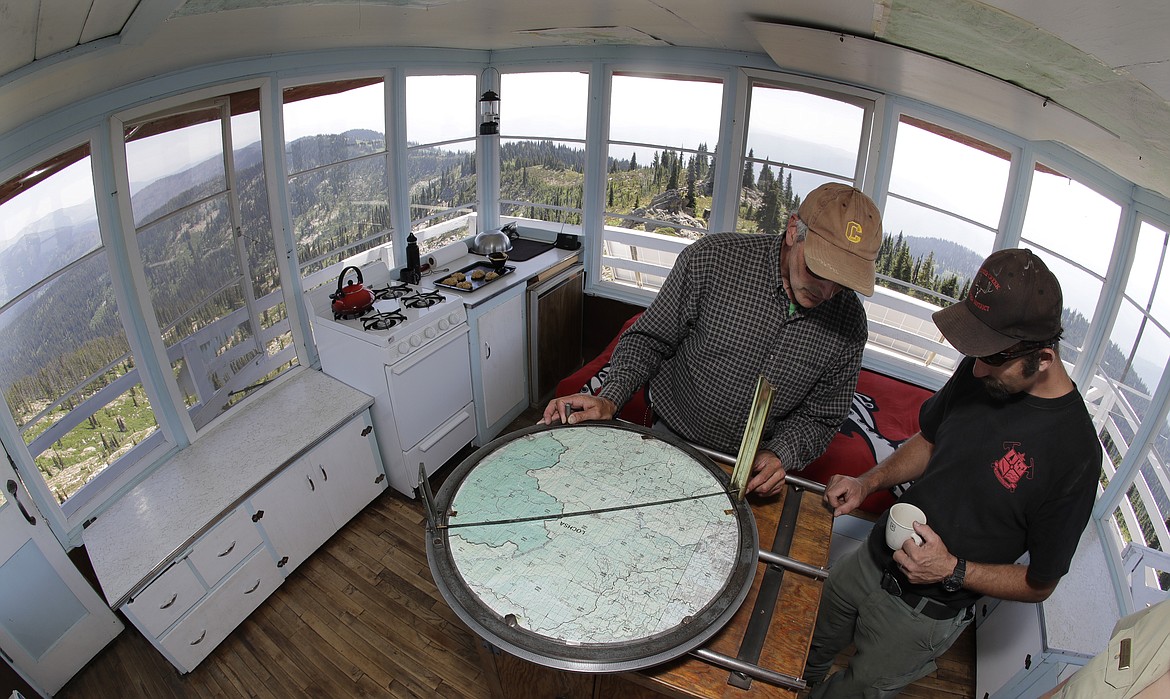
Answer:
[(949, 257)]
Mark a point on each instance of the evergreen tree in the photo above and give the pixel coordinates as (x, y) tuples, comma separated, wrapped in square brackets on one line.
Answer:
[(633, 162), (674, 172), (749, 178)]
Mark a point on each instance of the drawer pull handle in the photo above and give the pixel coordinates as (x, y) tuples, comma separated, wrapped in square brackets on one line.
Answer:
[(310, 479), (252, 589), (229, 550), (200, 639), (324, 476), (170, 601)]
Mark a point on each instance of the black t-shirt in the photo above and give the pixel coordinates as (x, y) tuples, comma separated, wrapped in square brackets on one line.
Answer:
[(1005, 477)]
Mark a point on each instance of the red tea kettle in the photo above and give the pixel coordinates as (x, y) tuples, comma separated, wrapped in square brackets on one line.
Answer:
[(352, 298)]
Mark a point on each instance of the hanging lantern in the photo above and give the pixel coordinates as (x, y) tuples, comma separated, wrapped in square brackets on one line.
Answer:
[(489, 114)]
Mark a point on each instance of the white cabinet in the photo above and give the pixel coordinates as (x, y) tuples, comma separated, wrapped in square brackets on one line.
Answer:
[(204, 593), (1023, 650), (499, 361), (221, 611), (317, 494)]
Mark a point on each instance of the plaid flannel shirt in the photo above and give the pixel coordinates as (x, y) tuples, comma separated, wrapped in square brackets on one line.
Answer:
[(722, 319)]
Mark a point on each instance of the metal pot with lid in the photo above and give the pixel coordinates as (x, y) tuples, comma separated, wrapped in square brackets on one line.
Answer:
[(498, 240)]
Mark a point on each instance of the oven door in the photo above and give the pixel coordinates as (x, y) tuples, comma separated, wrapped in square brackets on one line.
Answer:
[(430, 386)]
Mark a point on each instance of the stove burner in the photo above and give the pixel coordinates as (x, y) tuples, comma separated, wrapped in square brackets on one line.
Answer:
[(390, 291), (423, 299), (351, 314), (383, 321)]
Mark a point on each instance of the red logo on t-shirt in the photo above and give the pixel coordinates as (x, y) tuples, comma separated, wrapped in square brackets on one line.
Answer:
[(1012, 467)]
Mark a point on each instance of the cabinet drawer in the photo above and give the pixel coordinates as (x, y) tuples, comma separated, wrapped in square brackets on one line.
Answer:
[(166, 599), (213, 619), (228, 543)]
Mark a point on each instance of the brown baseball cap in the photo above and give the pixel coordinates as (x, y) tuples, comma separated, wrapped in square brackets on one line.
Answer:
[(845, 232), (1013, 298)]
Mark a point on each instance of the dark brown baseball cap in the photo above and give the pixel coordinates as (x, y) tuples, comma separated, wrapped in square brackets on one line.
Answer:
[(845, 232), (1013, 298)]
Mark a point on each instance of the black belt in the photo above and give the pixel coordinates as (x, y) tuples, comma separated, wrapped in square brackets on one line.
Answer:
[(924, 605)]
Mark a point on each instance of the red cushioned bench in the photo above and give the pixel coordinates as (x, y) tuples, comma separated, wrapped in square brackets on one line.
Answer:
[(884, 414)]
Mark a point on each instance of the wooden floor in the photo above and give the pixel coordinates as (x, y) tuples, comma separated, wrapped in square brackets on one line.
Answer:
[(361, 617)]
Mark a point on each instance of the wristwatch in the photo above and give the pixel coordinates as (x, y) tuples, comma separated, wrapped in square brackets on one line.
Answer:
[(954, 581)]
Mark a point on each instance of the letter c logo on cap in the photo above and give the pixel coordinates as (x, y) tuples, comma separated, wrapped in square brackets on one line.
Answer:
[(853, 232)]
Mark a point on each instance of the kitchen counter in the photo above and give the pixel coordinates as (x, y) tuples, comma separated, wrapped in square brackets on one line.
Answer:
[(524, 272), (149, 525)]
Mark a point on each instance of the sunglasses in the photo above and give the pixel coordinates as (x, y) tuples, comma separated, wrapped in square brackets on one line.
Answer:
[(1001, 358)]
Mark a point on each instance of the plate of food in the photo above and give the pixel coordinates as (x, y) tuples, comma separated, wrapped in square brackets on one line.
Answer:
[(473, 276)]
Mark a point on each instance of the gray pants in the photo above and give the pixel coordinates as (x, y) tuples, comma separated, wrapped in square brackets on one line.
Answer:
[(896, 644)]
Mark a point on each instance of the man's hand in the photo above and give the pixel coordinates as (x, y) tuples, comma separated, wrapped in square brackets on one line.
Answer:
[(767, 474), (579, 407), (927, 563), (844, 494)]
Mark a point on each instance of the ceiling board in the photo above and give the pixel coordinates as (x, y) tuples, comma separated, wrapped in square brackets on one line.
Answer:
[(59, 25), (1118, 33), (18, 33), (106, 18)]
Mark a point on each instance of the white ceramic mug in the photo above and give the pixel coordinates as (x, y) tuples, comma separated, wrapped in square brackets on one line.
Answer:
[(900, 524)]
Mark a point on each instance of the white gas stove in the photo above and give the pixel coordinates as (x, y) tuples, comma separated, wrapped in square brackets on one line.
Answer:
[(410, 352)]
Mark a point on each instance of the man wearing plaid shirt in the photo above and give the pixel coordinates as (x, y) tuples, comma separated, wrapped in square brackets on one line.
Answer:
[(737, 306)]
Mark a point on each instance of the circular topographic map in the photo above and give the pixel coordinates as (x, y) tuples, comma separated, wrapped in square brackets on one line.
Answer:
[(593, 547)]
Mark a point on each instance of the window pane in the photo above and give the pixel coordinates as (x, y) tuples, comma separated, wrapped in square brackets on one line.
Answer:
[(334, 127), (545, 105), (173, 169), (65, 365), (255, 224), (1067, 217), (1149, 257), (950, 171), (1080, 290), (337, 207), (442, 182), (676, 113), (46, 227), (796, 141), (799, 128), (340, 191), (440, 108), (546, 178), (658, 193), (915, 234), (541, 176)]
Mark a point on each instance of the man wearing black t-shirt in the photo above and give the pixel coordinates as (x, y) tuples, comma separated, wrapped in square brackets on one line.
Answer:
[(1006, 462)]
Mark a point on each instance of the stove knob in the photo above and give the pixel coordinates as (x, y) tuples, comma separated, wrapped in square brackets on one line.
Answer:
[(403, 348), (453, 318), (443, 324), (415, 341), (429, 333)]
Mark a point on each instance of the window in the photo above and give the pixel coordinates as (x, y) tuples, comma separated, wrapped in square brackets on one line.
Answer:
[(542, 154), (1134, 361), (441, 123), (1058, 207), (943, 207), (338, 186), (206, 247), (796, 141), (662, 132), (66, 369)]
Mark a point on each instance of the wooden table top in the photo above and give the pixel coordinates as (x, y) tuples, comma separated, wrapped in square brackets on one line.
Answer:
[(786, 645)]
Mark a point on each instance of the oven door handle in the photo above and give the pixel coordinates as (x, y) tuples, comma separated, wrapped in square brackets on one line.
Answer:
[(424, 352), (444, 430)]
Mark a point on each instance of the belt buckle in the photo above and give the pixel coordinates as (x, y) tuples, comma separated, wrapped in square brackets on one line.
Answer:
[(890, 583)]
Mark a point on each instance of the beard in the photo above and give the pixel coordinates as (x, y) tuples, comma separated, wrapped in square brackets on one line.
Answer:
[(999, 391), (996, 389)]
